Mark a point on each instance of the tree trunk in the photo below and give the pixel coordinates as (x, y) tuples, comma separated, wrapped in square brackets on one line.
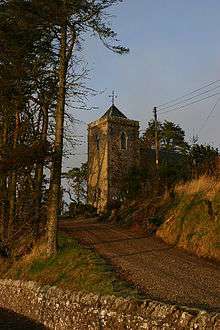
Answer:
[(39, 176), (3, 189), (12, 184), (55, 180)]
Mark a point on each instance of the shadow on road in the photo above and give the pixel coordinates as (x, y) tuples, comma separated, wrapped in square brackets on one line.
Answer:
[(12, 321)]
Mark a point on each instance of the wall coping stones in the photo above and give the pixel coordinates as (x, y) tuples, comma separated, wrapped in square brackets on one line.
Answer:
[(63, 309)]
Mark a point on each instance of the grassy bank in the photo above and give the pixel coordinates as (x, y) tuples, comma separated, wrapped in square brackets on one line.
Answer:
[(193, 222), (74, 268), (189, 220)]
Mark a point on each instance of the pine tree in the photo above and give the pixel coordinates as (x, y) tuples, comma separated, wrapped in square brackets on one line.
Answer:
[(76, 18)]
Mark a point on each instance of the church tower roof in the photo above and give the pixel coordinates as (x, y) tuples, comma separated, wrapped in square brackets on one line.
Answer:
[(113, 112)]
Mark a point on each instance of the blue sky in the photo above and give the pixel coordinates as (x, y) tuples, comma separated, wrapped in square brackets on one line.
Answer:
[(174, 48)]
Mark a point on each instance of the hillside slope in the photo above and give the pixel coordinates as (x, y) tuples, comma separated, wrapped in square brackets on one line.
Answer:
[(189, 220), (193, 222)]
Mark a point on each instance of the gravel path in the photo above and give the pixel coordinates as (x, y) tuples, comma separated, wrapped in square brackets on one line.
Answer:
[(12, 321), (162, 272)]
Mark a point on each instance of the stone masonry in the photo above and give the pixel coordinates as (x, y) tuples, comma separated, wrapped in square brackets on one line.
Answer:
[(113, 142), (65, 310)]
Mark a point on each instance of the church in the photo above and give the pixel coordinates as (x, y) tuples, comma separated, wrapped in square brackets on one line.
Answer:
[(113, 149)]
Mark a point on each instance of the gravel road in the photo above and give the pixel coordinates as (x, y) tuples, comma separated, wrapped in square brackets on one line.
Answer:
[(162, 272), (12, 321)]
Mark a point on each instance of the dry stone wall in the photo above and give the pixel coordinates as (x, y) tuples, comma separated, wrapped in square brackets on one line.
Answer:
[(59, 309)]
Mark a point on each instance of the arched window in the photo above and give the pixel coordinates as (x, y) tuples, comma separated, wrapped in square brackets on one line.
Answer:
[(111, 131), (123, 141), (97, 141)]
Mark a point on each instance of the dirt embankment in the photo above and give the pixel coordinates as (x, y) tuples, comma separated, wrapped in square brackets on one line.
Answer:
[(190, 220), (193, 223)]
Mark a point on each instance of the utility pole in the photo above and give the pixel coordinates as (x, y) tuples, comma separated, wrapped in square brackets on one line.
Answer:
[(194, 167), (156, 138)]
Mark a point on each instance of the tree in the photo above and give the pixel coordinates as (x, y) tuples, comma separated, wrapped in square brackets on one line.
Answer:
[(38, 43), (25, 82), (203, 160), (148, 138), (171, 136), (173, 165), (77, 181), (76, 18)]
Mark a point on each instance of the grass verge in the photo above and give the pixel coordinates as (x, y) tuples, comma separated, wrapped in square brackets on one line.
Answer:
[(74, 268)]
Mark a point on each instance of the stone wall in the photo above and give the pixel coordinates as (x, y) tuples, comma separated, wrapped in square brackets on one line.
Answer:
[(108, 162), (121, 161), (98, 164), (58, 309)]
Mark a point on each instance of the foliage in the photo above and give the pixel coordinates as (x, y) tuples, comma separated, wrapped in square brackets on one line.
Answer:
[(179, 161), (26, 86), (72, 20), (132, 183), (173, 168), (40, 72), (171, 136), (203, 159), (77, 181)]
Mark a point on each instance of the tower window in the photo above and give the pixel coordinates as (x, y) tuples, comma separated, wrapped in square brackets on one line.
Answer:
[(123, 141), (111, 131), (97, 141)]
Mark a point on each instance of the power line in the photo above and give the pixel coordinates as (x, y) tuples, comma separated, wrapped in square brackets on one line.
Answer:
[(79, 121), (190, 98), (209, 115), (188, 104), (80, 154), (189, 93)]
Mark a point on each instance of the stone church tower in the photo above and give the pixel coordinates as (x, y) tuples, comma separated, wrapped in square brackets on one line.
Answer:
[(113, 149)]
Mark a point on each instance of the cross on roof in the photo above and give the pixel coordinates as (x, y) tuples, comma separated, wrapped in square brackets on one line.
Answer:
[(113, 97)]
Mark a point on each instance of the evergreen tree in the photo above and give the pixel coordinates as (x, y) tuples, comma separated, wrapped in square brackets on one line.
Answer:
[(171, 136), (38, 43), (25, 56), (75, 18)]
